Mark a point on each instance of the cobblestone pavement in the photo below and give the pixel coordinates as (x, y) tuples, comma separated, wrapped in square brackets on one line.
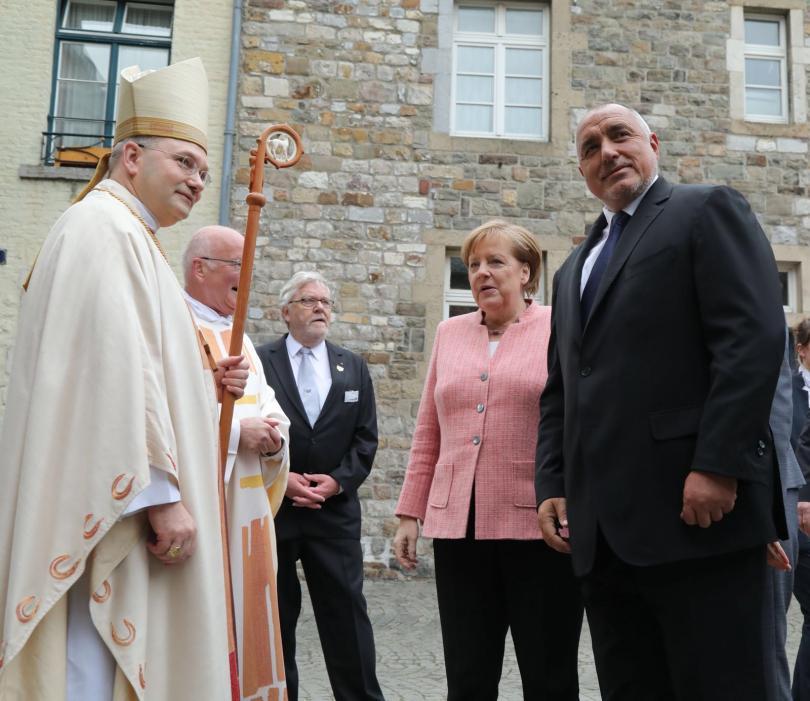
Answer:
[(410, 666)]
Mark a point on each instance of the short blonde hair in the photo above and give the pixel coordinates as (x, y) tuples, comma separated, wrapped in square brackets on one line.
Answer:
[(524, 248)]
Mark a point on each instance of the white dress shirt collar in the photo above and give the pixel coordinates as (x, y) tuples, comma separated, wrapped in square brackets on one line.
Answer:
[(318, 352), (630, 208), (205, 313)]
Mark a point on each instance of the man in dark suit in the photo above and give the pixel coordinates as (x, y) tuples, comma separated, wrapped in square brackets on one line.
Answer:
[(326, 392), (654, 454)]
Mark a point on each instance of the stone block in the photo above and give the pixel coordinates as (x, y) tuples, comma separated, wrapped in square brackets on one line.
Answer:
[(276, 87), (358, 199), (374, 215)]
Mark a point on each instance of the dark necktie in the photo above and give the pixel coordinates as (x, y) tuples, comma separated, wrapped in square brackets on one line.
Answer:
[(617, 224)]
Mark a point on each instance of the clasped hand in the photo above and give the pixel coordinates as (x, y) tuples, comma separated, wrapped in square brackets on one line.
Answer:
[(309, 491), (258, 434), (231, 375)]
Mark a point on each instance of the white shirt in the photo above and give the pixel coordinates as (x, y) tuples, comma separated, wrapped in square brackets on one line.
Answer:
[(320, 365), (593, 254)]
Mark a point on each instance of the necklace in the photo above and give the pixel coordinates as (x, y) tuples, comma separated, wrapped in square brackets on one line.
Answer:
[(501, 329), (139, 218)]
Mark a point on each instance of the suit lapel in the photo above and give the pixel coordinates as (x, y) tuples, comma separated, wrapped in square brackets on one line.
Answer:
[(280, 362), (338, 370), (572, 312), (649, 208)]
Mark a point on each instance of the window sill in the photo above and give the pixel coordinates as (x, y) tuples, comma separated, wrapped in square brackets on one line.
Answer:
[(795, 131), (42, 172)]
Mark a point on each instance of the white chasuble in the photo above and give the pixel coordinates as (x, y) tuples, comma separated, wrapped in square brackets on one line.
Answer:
[(107, 379), (255, 489)]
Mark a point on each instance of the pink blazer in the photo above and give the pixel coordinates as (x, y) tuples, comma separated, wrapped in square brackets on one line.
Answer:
[(478, 421)]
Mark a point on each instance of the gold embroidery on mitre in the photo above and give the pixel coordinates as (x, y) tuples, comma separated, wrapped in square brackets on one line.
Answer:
[(27, 608), (57, 572), (106, 590), (90, 531), (141, 678), (130, 637), (119, 494), (158, 126)]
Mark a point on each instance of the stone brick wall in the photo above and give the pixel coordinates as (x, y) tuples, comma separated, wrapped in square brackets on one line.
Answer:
[(382, 193)]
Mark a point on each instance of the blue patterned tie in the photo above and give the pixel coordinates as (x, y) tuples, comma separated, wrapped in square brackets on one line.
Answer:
[(617, 224), (307, 388)]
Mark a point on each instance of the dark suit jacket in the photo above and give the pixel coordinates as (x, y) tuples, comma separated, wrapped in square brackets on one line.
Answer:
[(342, 443), (800, 432), (674, 370)]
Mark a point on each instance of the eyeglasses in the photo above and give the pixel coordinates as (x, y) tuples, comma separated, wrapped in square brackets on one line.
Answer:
[(310, 302), (228, 261), (188, 165)]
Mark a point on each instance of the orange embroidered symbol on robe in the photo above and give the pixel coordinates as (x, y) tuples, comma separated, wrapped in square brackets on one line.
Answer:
[(27, 608)]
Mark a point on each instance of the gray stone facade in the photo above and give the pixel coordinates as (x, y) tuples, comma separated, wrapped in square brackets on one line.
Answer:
[(384, 190)]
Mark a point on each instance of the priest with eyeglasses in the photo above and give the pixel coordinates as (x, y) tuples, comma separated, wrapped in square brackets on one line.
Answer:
[(111, 557)]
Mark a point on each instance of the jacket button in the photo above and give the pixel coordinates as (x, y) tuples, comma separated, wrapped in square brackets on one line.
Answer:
[(484, 376), (761, 445), (584, 372), (476, 440), (479, 408), (760, 452)]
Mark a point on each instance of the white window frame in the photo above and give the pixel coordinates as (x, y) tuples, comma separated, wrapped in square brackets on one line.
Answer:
[(779, 53), (500, 41), (792, 270), (453, 296)]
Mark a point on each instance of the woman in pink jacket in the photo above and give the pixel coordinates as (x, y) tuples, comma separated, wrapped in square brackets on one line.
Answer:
[(470, 482)]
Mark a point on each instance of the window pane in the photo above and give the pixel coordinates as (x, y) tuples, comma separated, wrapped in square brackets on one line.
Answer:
[(763, 101), (89, 16), (524, 62), (84, 61), (457, 309), (476, 19), (524, 91), (763, 72), (524, 22), (148, 20), (146, 58), (475, 59), (762, 31), (476, 118), (458, 274), (474, 89), (523, 120)]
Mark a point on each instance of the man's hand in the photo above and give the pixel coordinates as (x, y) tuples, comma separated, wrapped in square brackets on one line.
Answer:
[(405, 542), (707, 497), (325, 485), (803, 511), (231, 375), (175, 533), (259, 435), (777, 558), (301, 493), (552, 518)]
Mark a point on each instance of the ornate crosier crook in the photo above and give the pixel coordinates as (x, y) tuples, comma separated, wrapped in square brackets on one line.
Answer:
[(280, 146)]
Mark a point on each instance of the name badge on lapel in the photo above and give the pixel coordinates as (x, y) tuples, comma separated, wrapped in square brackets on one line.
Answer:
[(351, 395)]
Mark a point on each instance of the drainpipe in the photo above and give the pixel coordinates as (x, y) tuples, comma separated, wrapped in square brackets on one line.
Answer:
[(230, 117)]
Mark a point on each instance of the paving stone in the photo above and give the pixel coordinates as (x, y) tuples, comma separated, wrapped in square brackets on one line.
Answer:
[(410, 663)]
